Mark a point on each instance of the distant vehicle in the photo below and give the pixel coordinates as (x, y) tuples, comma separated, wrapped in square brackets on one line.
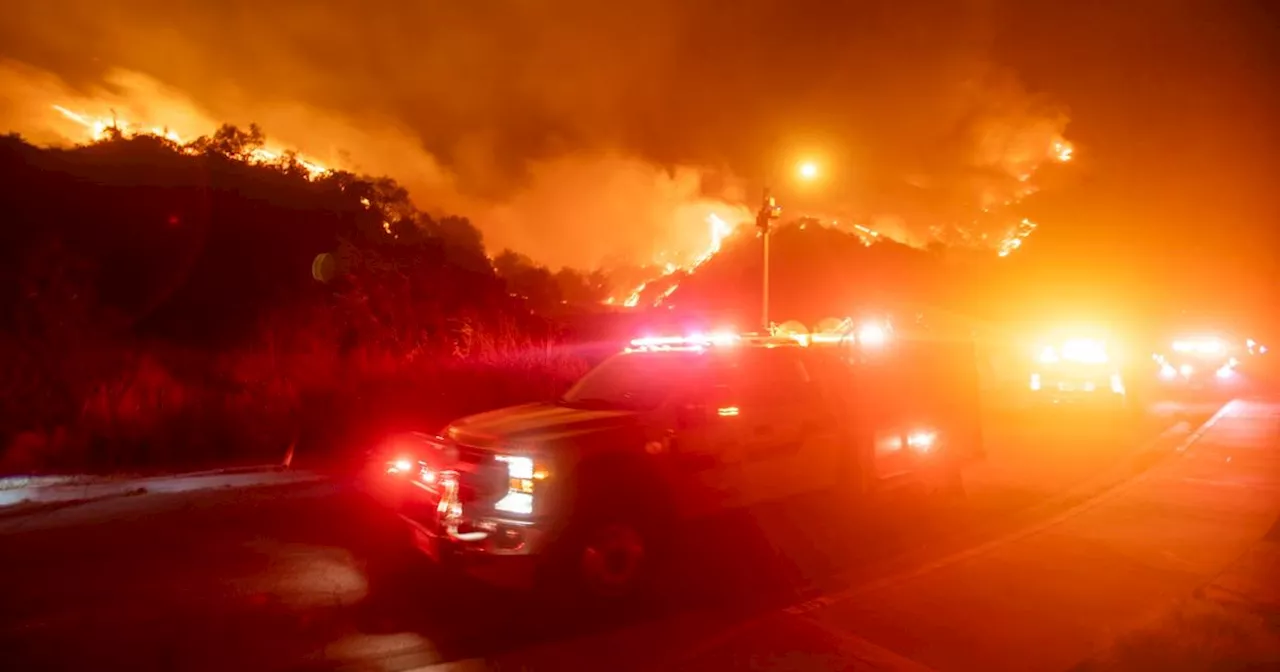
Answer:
[(1078, 370), (1201, 362), (583, 491)]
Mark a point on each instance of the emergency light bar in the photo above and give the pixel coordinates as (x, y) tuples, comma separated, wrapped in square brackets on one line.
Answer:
[(691, 342), (1204, 346), (1076, 350), (868, 334)]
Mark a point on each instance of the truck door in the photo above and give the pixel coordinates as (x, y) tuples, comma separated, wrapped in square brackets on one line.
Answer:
[(705, 446), (790, 435)]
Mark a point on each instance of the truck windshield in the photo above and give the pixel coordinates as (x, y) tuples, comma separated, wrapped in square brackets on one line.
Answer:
[(634, 381)]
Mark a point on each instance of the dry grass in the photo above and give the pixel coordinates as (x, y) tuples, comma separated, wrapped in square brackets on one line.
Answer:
[(169, 408)]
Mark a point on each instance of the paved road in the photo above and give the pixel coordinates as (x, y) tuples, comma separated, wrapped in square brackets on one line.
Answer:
[(1173, 570), (297, 577)]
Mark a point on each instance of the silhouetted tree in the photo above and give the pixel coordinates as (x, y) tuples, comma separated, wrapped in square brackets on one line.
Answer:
[(232, 142), (145, 286)]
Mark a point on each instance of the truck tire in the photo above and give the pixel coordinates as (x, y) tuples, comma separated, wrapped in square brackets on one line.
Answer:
[(602, 558), (611, 547)]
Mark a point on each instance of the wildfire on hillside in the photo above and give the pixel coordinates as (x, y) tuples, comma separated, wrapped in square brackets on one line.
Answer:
[(100, 128), (1060, 151), (719, 229), (95, 128), (1014, 240), (1022, 167)]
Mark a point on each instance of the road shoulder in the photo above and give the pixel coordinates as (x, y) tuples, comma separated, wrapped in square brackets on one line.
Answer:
[(1056, 596), (32, 500), (1231, 623)]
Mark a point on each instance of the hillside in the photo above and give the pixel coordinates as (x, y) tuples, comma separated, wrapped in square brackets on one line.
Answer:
[(160, 306), (166, 304)]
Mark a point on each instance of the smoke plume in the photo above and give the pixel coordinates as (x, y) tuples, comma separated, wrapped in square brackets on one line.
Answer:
[(575, 132)]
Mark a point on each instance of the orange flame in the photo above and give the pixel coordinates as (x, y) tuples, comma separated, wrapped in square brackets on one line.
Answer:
[(97, 129), (1014, 239), (1061, 151), (720, 230)]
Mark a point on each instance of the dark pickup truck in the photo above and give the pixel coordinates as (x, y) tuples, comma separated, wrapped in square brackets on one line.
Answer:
[(582, 490)]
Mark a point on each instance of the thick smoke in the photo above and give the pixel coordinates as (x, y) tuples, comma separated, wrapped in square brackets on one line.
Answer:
[(573, 131)]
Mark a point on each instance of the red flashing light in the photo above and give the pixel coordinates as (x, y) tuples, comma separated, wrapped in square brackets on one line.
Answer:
[(409, 468), (690, 342)]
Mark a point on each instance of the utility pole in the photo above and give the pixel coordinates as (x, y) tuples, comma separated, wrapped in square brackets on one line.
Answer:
[(769, 211)]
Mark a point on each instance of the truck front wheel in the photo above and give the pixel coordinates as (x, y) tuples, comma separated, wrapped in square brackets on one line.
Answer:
[(606, 557), (613, 539), (612, 559)]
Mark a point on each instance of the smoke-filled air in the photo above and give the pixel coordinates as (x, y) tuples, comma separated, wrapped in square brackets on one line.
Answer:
[(623, 140)]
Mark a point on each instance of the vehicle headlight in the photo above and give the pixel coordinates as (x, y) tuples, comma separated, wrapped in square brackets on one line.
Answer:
[(922, 441), (1204, 346), (1117, 383), (1085, 351), (522, 476), (873, 335)]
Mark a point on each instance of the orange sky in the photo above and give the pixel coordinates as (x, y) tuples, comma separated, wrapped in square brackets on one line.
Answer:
[(579, 131)]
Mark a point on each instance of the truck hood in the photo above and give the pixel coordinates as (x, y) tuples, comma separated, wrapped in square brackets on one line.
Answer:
[(535, 423)]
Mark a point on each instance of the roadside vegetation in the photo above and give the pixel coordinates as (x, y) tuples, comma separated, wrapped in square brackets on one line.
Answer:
[(170, 306), (165, 306)]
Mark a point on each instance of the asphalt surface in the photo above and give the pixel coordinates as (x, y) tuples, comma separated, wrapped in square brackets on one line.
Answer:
[(1174, 569), (304, 576)]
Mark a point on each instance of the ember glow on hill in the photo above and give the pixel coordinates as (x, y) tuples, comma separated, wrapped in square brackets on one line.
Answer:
[(97, 129), (1022, 168), (719, 230)]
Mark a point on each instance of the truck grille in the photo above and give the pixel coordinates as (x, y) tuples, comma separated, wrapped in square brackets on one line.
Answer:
[(481, 478)]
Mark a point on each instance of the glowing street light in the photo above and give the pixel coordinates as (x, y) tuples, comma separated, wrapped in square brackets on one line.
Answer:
[(806, 171)]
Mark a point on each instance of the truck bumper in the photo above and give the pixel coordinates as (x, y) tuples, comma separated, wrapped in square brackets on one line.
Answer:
[(1101, 389), (514, 569), (501, 550)]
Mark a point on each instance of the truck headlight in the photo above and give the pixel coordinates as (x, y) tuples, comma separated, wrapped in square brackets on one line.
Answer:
[(873, 335), (1117, 383), (1085, 351), (922, 441), (522, 475)]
